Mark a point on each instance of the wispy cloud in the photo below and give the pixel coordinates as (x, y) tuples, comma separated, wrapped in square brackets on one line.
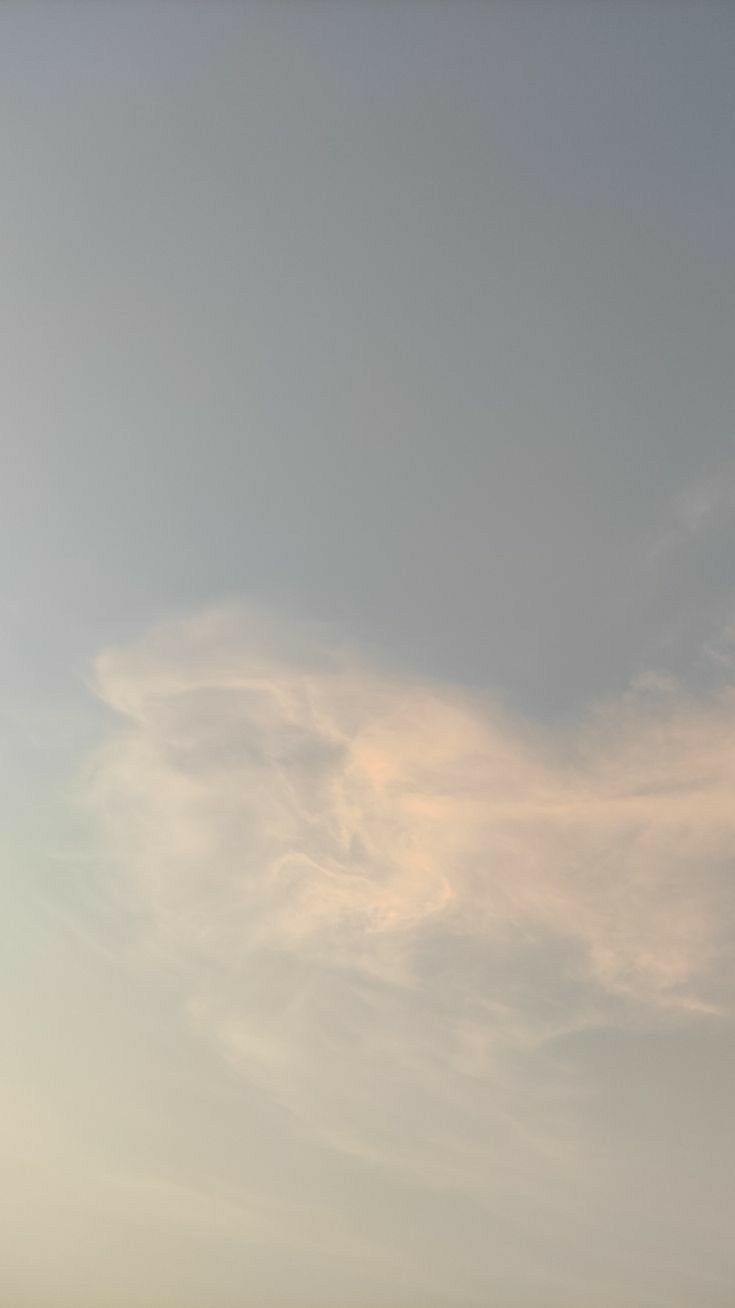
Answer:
[(386, 900), (703, 506)]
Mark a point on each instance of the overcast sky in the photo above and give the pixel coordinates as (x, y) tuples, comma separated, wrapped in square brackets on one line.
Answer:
[(367, 679)]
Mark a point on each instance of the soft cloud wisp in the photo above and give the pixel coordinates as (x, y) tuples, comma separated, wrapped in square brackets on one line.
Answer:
[(387, 901)]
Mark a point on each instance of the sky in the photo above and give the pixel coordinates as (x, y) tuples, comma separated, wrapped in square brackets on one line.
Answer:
[(367, 673)]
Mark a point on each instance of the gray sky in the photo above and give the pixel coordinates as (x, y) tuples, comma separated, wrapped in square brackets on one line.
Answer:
[(368, 513)]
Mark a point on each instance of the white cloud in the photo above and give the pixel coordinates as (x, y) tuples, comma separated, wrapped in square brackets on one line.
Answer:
[(384, 899)]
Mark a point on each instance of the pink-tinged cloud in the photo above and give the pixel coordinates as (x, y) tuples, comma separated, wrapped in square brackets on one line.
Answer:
[(384, 897)]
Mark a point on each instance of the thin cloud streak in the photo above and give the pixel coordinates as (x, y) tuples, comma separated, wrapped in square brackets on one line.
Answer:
[(703, 507)]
